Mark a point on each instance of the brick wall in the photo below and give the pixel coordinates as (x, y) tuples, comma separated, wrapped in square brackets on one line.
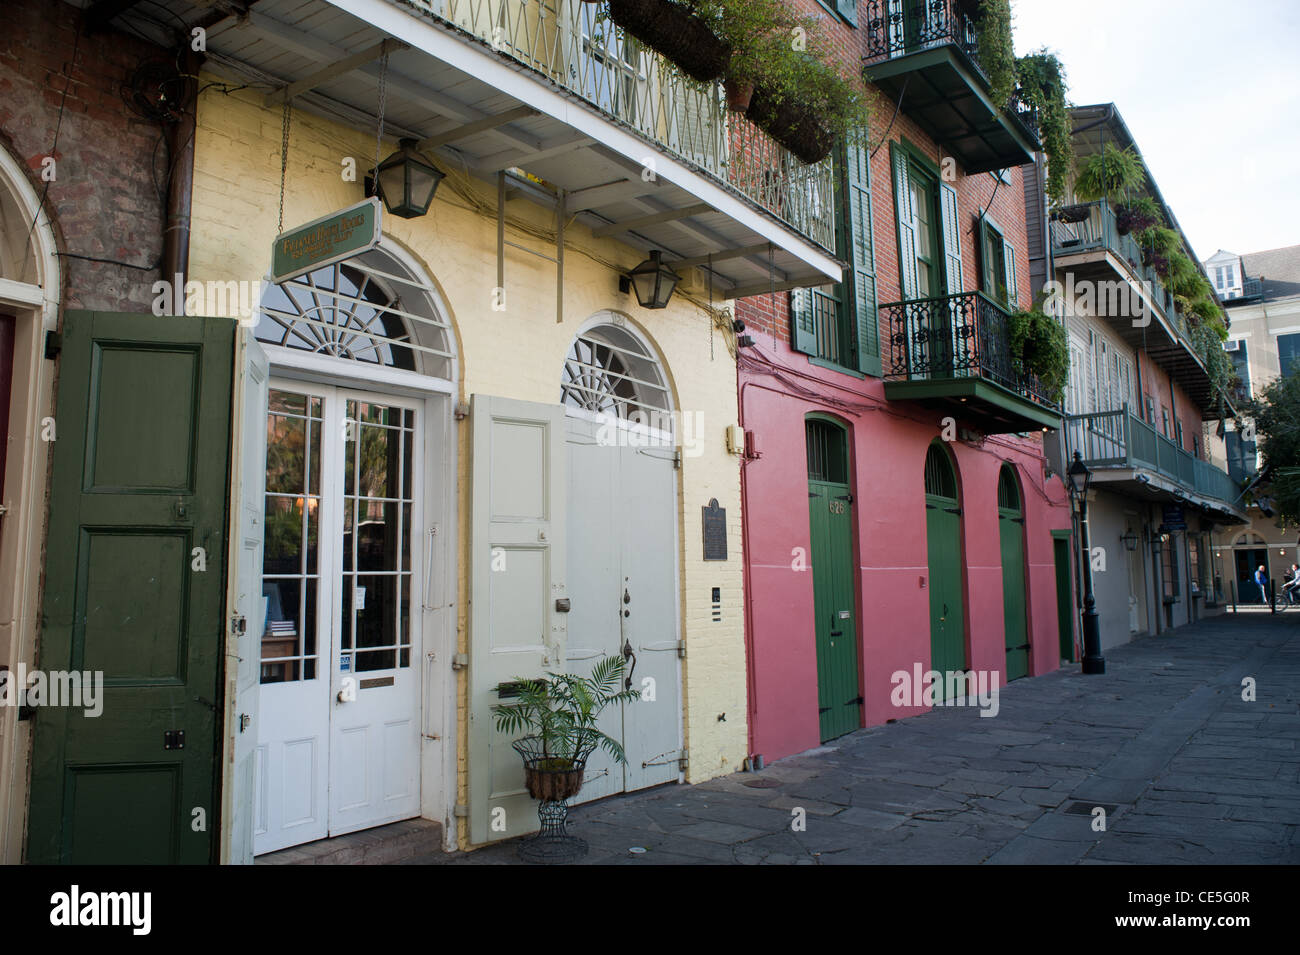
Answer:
[(103, 200)]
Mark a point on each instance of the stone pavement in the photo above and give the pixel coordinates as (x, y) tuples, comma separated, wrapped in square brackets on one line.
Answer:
[(1186, 770)]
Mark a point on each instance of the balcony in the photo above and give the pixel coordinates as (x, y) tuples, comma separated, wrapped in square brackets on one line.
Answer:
[(542, 101), (1125, 451), (1106, 265), (569, 44), (925, 54), (953, 353)]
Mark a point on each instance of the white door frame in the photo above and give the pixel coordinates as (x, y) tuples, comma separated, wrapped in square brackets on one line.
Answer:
[(36, 310), (437, 553)]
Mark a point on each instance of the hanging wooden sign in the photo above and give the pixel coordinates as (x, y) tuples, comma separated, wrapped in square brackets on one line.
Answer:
[(333, 238)]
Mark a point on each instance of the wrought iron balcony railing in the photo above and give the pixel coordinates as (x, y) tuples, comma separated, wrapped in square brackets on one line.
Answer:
[(1120, 439), (575, 46), (897, 28), (956, 336), (1099, 229)]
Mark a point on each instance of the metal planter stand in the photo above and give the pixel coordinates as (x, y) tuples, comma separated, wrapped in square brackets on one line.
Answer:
[(553, 787)]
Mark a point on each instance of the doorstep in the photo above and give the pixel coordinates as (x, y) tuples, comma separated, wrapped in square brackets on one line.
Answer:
[(382, 845)]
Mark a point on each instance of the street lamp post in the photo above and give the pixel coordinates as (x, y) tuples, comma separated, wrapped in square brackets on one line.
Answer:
[(1093, 661)]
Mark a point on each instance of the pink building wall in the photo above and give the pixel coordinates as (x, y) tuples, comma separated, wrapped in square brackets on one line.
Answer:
[(888, 443)]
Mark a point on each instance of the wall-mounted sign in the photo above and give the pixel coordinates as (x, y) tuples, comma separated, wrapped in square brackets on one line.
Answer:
[(714, 521), (338, 236), (1173, 517)]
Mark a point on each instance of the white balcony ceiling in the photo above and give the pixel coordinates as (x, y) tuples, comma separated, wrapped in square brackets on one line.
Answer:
[(486, 112)]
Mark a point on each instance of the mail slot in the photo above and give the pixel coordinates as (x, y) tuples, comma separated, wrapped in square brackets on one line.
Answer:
[(377, 681)]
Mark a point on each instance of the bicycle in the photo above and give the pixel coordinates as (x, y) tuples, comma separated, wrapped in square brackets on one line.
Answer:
[(1286, 598)]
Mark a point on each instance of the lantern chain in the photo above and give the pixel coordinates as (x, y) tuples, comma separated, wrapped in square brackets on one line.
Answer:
[(285, 123), (379, 131)]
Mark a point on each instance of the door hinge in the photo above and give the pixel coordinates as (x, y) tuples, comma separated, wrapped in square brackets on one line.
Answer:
[(461, 811), (684, 763), (681, 649), (856, 701), (238, 624), (677, 460), (462, 411), (953, 510), (460, 661)]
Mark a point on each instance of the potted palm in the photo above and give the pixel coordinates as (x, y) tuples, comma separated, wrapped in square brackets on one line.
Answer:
[(558, 715)]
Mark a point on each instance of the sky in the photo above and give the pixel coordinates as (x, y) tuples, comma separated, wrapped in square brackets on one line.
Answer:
[(1210, 92)]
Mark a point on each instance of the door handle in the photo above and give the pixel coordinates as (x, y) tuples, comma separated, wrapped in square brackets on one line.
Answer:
[(628, 654)]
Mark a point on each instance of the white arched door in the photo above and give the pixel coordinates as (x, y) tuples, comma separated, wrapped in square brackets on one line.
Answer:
[(349, 523), (621, 441)]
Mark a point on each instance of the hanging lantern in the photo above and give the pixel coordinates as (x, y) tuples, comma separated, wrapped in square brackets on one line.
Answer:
[(407, 181), (653, 282)]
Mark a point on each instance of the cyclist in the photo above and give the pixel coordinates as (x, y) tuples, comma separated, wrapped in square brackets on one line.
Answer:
[(1291, 589)]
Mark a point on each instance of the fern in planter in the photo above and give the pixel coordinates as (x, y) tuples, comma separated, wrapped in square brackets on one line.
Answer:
[(1139, 215), (1112, 174), (561, 712), (1039, 348), (996, 52)]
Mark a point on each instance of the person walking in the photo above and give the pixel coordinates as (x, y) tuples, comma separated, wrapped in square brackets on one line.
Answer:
[(1261, 578)]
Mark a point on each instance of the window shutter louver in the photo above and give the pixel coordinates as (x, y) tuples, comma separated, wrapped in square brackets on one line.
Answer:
[(951, 238), (861, 256), (1013, 295), (904, 218)]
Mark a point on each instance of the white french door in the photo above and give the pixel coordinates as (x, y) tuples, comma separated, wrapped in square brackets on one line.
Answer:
[(622, 537), (338, 741)]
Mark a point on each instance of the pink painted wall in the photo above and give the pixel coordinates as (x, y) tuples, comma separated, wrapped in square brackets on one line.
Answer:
[(888, 446)]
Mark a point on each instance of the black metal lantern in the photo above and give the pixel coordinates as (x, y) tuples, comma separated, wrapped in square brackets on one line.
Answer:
[(1130, 540), (653, 282), (1079, 476), (407, 181)]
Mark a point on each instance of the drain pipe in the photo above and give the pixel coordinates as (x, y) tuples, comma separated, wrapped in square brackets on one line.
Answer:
[(180, 183)]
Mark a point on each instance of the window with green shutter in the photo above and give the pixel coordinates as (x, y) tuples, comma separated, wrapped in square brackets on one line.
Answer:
[(838, 323), (997, 264)]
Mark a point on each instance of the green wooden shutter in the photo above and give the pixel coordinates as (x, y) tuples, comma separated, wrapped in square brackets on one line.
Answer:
[(1013, 297), (951, 237), (861, 255), (988, 278), (904, 218), (803, 333), (848, 9)]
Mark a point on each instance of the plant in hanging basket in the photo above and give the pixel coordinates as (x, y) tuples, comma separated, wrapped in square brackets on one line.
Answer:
[(1137, 216), (681, 31), (1073, 213), (806, 103), (1112, 173), (559, 714), (757, 32)]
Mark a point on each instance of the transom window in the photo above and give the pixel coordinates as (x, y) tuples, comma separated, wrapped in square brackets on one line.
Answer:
[(610, 372)]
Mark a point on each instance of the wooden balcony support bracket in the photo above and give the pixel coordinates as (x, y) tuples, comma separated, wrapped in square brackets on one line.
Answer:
[(653, 218), (333, 71), (483, 125)]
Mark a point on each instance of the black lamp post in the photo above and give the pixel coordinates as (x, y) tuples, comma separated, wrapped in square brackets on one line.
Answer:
[(407, 181), (1093, 661), (653, 281)]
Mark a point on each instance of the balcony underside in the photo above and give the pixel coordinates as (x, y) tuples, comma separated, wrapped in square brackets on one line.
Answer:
[(482, 111), (976, 401), (1155, 336), (1141, 484), (946, 98)]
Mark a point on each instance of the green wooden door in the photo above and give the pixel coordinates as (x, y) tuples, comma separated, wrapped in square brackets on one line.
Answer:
[(830, 514), (943, 544), (1011, 528), (135, 589), (1064, 601)]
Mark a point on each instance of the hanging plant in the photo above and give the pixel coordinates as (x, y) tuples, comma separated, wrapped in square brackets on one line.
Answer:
[(758, 33), (681, 31), (1042, 86), (1112, 174), (1139, 215), (996, 52), (805, 103), (1040, 349)]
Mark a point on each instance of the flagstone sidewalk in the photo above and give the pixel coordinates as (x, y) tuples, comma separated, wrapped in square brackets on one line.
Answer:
[(1186, 771)]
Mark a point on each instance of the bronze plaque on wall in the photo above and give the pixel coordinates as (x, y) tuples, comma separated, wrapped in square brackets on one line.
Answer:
[(714, 521)]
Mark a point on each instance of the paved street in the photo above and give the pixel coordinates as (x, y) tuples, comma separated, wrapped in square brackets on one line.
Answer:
[(1187, 771)]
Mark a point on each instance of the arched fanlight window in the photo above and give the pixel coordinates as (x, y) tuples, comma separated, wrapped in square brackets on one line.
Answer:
[(828, 451), (1008, 489), (940, 480), (610, 371), (341, 311)]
